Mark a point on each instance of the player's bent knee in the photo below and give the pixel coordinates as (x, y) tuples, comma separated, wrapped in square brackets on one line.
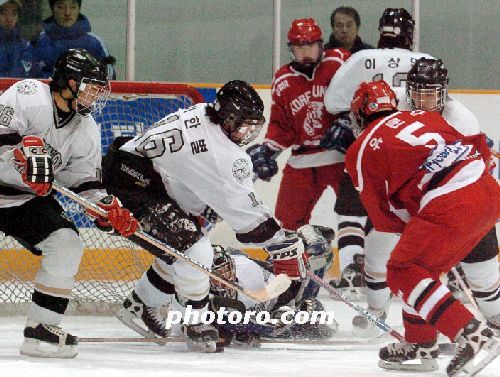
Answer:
[(62, 252)]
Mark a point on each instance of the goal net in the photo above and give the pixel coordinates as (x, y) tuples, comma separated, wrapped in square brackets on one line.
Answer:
[(110, 265)]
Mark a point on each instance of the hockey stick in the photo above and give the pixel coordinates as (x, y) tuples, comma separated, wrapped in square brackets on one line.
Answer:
[(467, 291), (279, 285), (369, 316), (444, 348)]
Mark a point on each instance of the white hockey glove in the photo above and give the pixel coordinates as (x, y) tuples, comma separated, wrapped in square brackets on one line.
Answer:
[(288, 257), (35, 165)]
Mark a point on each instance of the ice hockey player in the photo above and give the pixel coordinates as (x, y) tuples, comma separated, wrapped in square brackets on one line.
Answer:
[(299, 121), (187, 164), (48, 133), (411, 169), (235, 266), (390, 62)]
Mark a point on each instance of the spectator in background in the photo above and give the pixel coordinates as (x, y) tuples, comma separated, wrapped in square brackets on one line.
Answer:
[(345, 23), (15, 51), (67, 28)]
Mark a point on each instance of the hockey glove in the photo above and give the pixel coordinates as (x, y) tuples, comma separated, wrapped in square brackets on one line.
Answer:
[(118, 218), (339, 137), (35, 165), (264, 161), (208, 218), (288, 257)]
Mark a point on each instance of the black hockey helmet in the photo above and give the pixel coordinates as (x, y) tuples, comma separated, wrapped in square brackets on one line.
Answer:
[(240, 111), (223, 266), (396, 28), (427, 85), (82, 67)]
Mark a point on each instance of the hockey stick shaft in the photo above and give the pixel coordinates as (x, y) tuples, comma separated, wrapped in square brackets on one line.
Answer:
[(274, 289), (467, 291), (369, 316)]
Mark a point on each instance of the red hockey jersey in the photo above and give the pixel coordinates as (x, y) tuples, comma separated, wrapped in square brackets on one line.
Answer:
[(403, 161), (298, 114)]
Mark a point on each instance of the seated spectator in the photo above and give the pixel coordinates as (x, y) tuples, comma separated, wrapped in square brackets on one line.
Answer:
[(345, 23), (66, 28), (15, 51)]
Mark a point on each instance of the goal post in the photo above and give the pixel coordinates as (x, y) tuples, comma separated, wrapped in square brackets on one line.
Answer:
[(111, 264)]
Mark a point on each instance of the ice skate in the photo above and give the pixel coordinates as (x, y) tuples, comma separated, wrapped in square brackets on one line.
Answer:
[(41, 340), (477, 347), (362, 327), (493, 322), (201, 337), (352, 281), (409, 357), (144, 320)]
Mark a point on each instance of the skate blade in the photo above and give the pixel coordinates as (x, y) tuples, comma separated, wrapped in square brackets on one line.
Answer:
[(488, 353), (36, 348), (128, 319), (416, 365)]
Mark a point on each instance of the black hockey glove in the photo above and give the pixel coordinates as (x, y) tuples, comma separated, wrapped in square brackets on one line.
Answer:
[(264, 161), (339, 137)]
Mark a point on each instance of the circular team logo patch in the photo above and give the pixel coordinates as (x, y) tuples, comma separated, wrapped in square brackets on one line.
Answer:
[(241, 169), (27, 87)]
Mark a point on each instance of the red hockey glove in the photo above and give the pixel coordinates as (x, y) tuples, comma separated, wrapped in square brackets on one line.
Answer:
[(118, 218), (35, 165), (288, 257)]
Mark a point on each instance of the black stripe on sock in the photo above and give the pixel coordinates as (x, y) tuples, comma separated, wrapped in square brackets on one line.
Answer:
[(158, 282), (439, 311), (52, 303), (424, 293)]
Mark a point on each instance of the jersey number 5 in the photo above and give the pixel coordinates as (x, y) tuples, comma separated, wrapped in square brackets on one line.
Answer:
[(406, 135)]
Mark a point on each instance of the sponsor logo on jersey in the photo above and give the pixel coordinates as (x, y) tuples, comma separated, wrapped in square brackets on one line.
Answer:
[(443, 156), (143, 181), (241, 169), (27, 87)]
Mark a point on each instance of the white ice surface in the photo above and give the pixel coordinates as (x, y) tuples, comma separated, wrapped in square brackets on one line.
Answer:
[(143, 360)]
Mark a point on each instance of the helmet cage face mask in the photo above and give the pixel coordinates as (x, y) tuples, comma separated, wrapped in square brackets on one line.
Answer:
[(239, 110), (223, 266), (427, 97), (92, 96), (242, 131), (308, 61)]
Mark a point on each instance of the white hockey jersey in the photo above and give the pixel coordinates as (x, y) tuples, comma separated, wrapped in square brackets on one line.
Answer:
[(388, 64), (392, 66), (200, 166), (27, 108)]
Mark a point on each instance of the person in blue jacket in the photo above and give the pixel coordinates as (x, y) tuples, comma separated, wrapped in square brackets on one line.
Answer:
[(66, 28), (15, 51)]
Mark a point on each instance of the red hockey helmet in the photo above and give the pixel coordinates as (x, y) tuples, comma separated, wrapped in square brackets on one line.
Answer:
[(303, 31), (372, 98)]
